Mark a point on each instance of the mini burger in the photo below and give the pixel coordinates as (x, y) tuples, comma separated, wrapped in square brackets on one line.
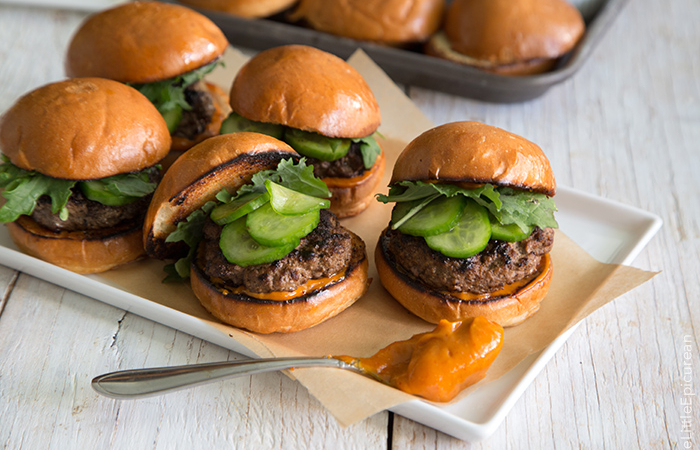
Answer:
[(164, 51), (508, 37), (472, 225), (80, 164), (323, 108), (392, 22), (248, 222)]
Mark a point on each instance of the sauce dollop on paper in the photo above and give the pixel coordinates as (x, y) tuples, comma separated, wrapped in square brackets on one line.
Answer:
[(439, 364)]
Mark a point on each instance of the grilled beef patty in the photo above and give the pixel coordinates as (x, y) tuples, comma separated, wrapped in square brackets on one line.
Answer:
[(322, 253), (349, 166), (499, 264), (196, 120), (85, 214)]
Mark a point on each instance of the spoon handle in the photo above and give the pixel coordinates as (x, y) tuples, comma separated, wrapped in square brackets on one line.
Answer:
[(144, 382)]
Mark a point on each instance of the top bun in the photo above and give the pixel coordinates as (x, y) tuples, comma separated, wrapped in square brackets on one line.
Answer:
[(305, 88), (86, 128), (250, 9), (142, 42), (511, 31), (390, 22), (471, 152), (226, 161)]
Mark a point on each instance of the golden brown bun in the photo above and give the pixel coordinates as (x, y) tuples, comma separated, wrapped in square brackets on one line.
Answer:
[(142, 42), (226, 161), (221, 111), (506, 32), (78, 251), (351, 196), (270, 316), (392, 22), (433, 306), (472, 152), (305, 88), (244, 8), (82, 129), (439, 46)]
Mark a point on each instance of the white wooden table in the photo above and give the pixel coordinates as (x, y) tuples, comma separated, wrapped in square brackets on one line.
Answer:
[(625, 127)]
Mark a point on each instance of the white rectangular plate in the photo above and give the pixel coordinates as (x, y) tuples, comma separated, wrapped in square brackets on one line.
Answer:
[(609, 231)]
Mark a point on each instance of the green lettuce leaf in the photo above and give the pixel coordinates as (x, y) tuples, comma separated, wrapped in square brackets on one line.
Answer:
[(190, 231), (370, 151), (507, 205)]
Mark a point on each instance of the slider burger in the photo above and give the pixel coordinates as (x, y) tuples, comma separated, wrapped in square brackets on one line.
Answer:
[(250, 225), (251, 9), (508, 37), (392, 22), (323, 108), (471, 228), (79, 168), (164, 51)]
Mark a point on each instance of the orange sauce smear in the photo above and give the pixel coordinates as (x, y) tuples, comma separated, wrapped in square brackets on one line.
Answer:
[(303, 289), (439, 364)]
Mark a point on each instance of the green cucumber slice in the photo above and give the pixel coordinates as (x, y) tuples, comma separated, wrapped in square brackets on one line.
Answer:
[(236, 123), (508, 233), (317, 146), (403, 211), (239, 247), (246, 203), (96, 191), (470, 235), (275, 230), (172, 117), (438, 216), (290, 202)]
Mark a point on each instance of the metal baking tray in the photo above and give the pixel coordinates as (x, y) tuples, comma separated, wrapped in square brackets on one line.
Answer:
[(416, 69)]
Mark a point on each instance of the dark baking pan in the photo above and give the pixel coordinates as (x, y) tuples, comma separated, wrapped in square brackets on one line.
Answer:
[(416, 69)]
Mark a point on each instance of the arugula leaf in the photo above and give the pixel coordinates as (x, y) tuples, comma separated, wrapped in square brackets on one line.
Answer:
[(190, 231), (22, 188), (122, 188), (168, 96), (370, 151), (507, 205)]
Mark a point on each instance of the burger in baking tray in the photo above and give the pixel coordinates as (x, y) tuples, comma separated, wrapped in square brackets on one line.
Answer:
[(80, 163), (248, 222), (164, 51), (508, 37), (472, 225), (323, 108)]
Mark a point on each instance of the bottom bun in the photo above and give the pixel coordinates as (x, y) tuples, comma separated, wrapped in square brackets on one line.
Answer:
[(284, 316), (78, 251), (351, 196), (505, 309), (439, 46)]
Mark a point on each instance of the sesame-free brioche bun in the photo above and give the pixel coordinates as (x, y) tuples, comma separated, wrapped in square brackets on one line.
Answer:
[(250, 9), (141, 42), (508, 308), (84, 128), (226, 161), (510, 37), (305, 88), (390, 22), (472, 152)]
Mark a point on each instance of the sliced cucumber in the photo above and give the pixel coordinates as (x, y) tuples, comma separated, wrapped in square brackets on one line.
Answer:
[(246, 203), (438, 216), (239, 247), (235, 123), (405, 210), (172, 117), (508, 233), (470, 235), (96, 191), (315, 145), (272, 229), (290, 202)]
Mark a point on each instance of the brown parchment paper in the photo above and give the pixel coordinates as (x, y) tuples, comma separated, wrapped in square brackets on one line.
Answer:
[(580, 285)]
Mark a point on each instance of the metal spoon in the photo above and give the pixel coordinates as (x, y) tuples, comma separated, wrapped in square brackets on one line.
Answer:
[(144, 382)]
